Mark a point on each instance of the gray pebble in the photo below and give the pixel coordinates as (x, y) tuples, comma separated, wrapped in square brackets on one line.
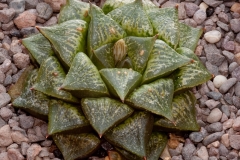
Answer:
[(235, 23), (188, 150), (213, 3), (225, 110), (212, 104), (236, 101), (234, 141), (21, 60), (228, 98), (199, 16), (8, 26), (232, 66), (223, 151), (5, 113), (7, 15), (44, 10), (4, 99), (26, 122), (214, 127), (7, 81), (212, 68), (222, 25), (214, 95), (17, 5), (196, 158), (211, 138), (191, 8), (2, 122), (223, 17), (177, 158), (238, 38), (196, 137), (28, 31), (232, 155), (227, 85), (213, 152), (237, 89), (24, 147), (212, 158), (5, 66), (2, 77), (228, 55), (31, 4)]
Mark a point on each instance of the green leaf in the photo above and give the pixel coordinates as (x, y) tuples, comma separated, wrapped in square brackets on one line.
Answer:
[(102, 30), (155, 147), (133, 19), (39, 47), (74, 9), (121, 81), (133, 134), (110, 5), (189, 75), (104, 113), (155, 97), (103, 56), (75, 146), (184, 115), (163, 60), (30, 100), (66, 118), (83, 79), (138, 50), (189, 36), (68, 38), (165, 24), (50, 78)]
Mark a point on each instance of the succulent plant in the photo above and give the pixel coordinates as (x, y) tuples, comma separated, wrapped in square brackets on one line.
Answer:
[(121, 73)]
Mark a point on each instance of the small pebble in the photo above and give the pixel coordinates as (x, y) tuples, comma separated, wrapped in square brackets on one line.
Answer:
[(219, 80), (212, 36), (227, 85), (214, 116), (199, 16)]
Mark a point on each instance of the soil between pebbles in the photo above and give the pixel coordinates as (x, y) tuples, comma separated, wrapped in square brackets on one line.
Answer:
[(218, 110)]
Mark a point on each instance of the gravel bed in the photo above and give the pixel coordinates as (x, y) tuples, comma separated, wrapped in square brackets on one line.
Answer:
[(23, 136)]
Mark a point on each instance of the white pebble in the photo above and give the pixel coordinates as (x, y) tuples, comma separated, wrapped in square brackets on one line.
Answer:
[(203, 6), (214, 116), (203, 153), (213, 36), (219, 80)]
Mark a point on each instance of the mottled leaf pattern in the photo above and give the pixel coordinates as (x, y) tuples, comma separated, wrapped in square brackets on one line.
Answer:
[(121, 81), (189, 75), (155, 97), (67, 38), (66, 117), (103, 56), (165, 24), (32, 101), (163, 60), (74, 9), (102, 30), (39, 47), (138, 50), (50, 78), (133, 134), (75, 146), (133, 19), (83, 79), (189, 36), (104, 113), (184, 114)]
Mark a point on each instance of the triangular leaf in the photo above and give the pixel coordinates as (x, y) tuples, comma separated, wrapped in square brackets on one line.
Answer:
[(155, 97), (50, 78), (189, 36), (133, 134), (138, 50), (184, 114), (66, 118), (163, 60), (39, 47), (75, 146), (121, 81), (103, 56), (102, 30), (110, 5), (189, 75), (74, 9), (83, 79), (104, 113), (133, 19), (32, 101), (165, 24), (155, 147), (67, 38)]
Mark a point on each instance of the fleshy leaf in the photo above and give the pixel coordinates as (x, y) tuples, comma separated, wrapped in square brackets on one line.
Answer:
[(133, 19), (138, 50), (121, 81), (68, 38), (189, 36), (66, 118), (163, 60), (133, 134), (74, 9), (39, 47), (102, 30), (184, 114), (155, 147), (32, 101), (16, 89), (104, 113), (155, 97), (165, 24), (103, 56), (75, 146), (83, 79), (110, 5), (189, 75), (50, 78)]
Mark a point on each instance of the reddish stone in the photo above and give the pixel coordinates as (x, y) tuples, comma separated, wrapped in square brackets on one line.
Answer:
[(236, 8), (25, 19)]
